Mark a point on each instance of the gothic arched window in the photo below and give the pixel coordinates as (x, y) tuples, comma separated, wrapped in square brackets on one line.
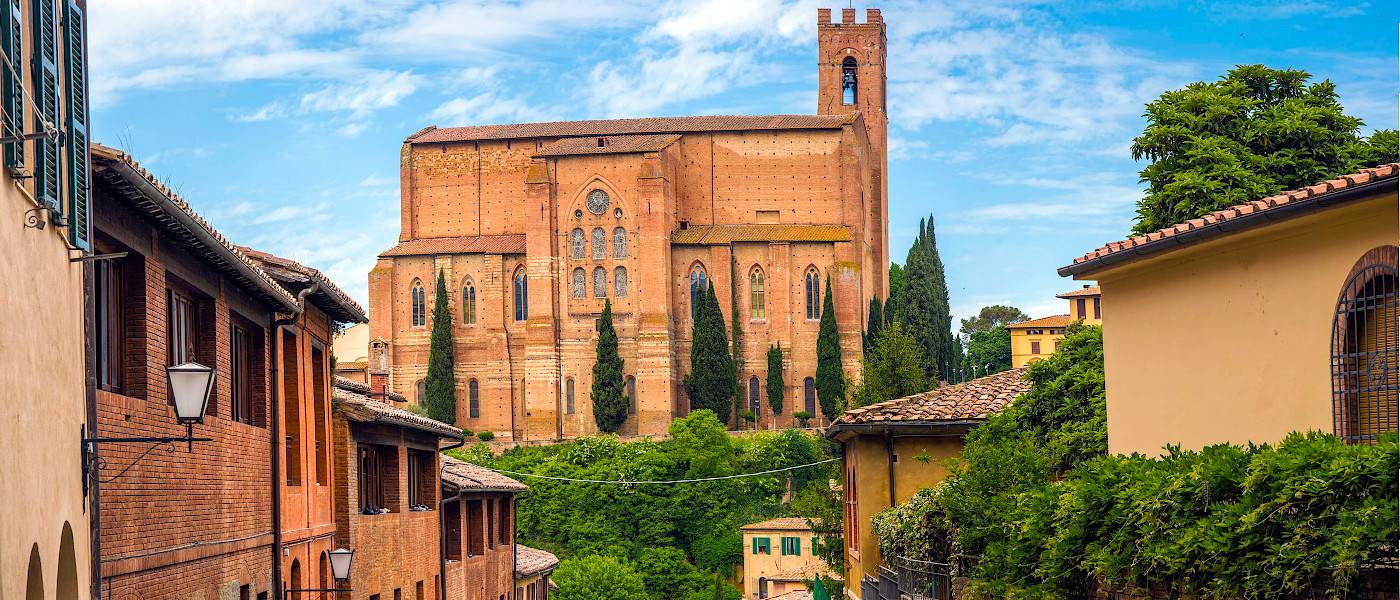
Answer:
[(631, 395), (578, 282), (600, 243), (698, 284), (468, 303), (619, 243), (848, 80), (418, 298), (569, 396), (473, 399), (576, 244), (809, 395), (754, 404), (813, 283), (522, 295), (620, 282), (1366, 350), (758, 299), (600, 282)]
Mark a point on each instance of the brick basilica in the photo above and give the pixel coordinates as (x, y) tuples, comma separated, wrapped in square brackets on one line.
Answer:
[(535, 225)]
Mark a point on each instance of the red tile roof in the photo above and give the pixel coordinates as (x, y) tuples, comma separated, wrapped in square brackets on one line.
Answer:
[(351, 401), (780, 523), (711, 235), (511, 243), (470, 477), (793, 595), (1247, 215), (339, 305), (628, 126), (805, 572), (612, 144), (973, 400), (1088, 290), (529, 561), (1050, 321)]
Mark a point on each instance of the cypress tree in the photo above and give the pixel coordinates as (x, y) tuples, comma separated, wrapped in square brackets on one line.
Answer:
[(440, 385), (609, 402), (923, 302), (948, 349), (873, 325), (831, 381), (710, 384), (736, 336), (775, 379)]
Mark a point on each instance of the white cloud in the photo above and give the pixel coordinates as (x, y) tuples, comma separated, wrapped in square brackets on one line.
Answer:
[(485, 108), (363, 95), (475, 30)]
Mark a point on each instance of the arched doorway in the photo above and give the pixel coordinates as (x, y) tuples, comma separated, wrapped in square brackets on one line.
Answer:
[(294, 581), (67, 566), (34, 588)]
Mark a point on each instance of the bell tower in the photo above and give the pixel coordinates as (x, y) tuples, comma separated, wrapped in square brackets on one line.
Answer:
[(851, 76)]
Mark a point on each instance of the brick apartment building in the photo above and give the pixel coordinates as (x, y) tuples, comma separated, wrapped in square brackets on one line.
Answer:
[(536, 225), (483, 560), (387, 506), (44, 527)]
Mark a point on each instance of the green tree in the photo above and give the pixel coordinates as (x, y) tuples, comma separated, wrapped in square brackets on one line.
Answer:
[(597, 578), (992, 317), (874, 323), (712, 379), (1254, 132), (775, 378), (736, 334), (894, 368), (609, 401), (667, 573), (923, 303), (831, 380), (440, 385), (896, 284), (988, 351)]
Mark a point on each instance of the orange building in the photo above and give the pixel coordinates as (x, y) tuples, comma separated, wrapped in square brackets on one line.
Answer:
[(780, 555), (1037, 338), (534, 226)]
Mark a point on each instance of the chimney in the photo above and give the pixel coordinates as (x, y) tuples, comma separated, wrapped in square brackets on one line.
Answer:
[(379, 386), (848, 16)]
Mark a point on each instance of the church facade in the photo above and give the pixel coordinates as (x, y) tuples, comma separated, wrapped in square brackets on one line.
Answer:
[(535, 226)]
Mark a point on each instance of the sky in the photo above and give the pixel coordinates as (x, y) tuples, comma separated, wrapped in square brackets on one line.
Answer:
[(1010, 122)]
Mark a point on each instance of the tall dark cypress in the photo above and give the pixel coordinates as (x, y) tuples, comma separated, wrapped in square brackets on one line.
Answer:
[(609, 401), (440, 385), (775, 379), (874, 324), (923, 306), (710, 383), (831, 380), (948, 352)]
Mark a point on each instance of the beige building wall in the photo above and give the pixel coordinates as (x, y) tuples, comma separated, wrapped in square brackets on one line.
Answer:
[(1229, 340), (922, 462), (41, 349), (761, 566), (1032, 344)]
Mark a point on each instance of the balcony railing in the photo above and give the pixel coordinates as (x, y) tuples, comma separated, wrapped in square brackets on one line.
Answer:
[(904, 578)]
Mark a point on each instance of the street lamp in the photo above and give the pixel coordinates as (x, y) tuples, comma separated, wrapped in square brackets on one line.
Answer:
[(189, 385), (341, 559)]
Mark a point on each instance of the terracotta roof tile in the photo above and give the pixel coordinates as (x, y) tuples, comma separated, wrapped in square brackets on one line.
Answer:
[(1050, 321), (529, 561), (1088, 290), (971, 400), (707, 235), (613, 144), (467, 476), (511, 243), (1274, 202), (233, 261), (793, 595), (780, 523), (328, 295), (351, 400), (629, 126), (805, 572)]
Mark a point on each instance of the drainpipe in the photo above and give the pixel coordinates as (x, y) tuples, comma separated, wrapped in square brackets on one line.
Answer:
[(442, 527), (92, 481), (889, 461), (272, 417)]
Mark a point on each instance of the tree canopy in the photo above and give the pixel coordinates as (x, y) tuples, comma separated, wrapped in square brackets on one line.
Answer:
[(608, 397), (712, 379), (440, 384), (995, 316), (597, 577), (1254, 132), (775, 383), (831, 379), (988, 351), (894, 368), (922, 304)]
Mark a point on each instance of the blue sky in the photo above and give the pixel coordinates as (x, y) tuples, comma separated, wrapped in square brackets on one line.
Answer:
[(281, 121)]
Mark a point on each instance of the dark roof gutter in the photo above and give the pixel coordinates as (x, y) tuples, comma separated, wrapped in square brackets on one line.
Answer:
[(1222, 228), (954, 427)]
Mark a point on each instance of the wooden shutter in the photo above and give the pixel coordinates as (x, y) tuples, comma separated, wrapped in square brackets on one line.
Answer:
[(14, 83), (46, 96), (75, 84)]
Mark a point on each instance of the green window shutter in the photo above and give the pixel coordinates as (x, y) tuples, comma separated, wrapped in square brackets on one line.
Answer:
[(75, 86), (13, 83), (797, 546), (46, 96), (754, 544)]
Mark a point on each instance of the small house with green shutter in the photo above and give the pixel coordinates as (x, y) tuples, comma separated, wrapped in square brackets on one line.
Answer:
[(779, 556)]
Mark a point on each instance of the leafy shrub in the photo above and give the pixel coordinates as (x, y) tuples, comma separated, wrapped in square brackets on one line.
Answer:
[(485, 436), (597, 578), (803, 417)]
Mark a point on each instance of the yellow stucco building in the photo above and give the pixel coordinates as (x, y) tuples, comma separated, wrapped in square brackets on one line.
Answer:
[(1038, 338), (1256, 320), (893, 449), (779, 557)]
